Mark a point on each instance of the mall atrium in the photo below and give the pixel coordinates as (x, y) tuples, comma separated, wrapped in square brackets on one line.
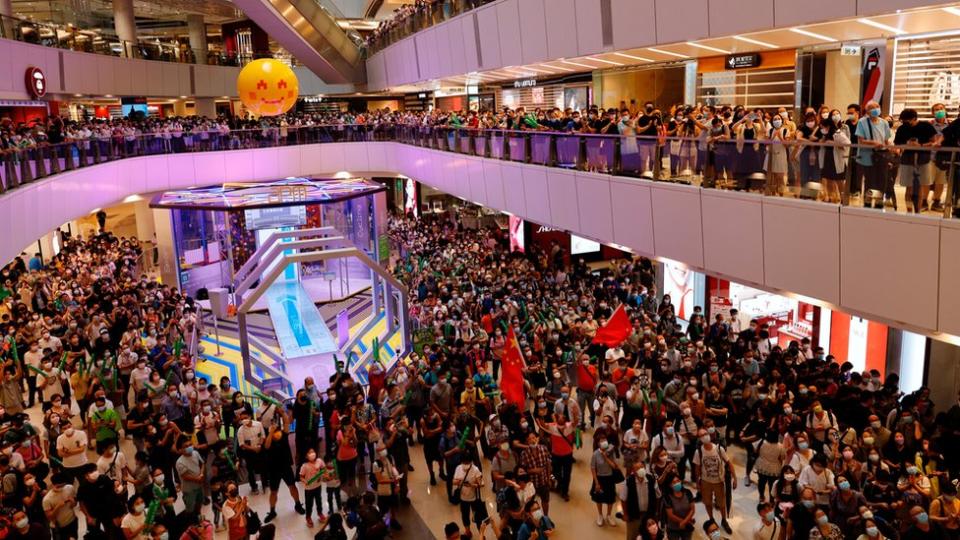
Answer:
[(510, 269)]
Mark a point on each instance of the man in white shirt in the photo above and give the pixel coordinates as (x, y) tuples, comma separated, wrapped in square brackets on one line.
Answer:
[(72, 448), (770, 526), (250, 437), (32, 358), (818, 477)]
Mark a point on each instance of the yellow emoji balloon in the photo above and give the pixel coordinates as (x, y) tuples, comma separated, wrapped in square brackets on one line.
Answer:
[(268, 87)]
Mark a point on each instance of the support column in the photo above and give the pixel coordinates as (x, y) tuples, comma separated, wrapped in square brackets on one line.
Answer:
[(180, 107), (6, 25), (125, 26), (198, 37), (205, 107)]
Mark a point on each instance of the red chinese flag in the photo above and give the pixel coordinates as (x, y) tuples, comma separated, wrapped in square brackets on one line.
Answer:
[(511, 378), (616, 331)]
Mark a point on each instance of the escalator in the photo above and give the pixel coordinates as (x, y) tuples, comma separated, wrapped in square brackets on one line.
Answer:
[(312, 35)]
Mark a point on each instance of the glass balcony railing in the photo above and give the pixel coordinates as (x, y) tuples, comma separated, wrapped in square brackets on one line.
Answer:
[(411, 19), (891, 178), (74, 39)]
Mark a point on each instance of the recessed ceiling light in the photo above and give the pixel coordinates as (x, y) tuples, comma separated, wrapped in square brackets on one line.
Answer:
[(881, 26), (707, 47), (611, 62), (745, 39), (579, 65), (814, 35), (632, 57), (561, 68), (952, 11), (668, 53)]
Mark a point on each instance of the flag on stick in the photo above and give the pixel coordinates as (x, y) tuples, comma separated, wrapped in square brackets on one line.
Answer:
[(511, 378), (616, 331)]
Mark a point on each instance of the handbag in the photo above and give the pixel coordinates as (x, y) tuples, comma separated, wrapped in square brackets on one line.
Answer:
[(253, 522), (455, 497)]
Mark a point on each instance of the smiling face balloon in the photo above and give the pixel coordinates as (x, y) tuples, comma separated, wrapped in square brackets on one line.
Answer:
[(267, 87)]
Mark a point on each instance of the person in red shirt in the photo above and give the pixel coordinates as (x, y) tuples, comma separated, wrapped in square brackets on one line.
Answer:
[(586, 383)]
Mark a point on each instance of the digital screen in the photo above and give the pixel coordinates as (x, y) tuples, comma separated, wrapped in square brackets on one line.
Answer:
[(579, 246), (125, 109), (274, 218), (517, 241)]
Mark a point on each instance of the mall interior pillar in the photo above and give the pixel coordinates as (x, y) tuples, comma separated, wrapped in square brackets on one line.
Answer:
[(198, 37), (205, 107), (6, 10), (126, 26)]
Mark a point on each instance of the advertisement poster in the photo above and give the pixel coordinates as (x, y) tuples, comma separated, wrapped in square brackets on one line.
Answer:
[(410, 206), (678, 282), (874, 60), (721, 305), (517, 241)]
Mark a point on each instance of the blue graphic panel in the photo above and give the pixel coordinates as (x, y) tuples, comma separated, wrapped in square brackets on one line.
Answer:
[(297, 322)]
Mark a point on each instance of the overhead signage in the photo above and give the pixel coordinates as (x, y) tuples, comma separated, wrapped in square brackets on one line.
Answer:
[(741, 61), (36, 82), (525, 83), (850, 50)]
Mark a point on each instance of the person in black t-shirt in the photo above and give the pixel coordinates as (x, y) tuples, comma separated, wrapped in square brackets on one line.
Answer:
[(915, 171)]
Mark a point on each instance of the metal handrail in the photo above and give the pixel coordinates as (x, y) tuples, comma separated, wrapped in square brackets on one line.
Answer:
[(609, 154)]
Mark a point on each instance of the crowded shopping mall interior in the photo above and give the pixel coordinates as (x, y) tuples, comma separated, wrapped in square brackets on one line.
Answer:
[(463, 269)]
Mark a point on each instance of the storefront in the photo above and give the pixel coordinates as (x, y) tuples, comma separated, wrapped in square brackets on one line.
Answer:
[(26, 112), (663, 84), (765, 79), (468, 98), (573, 92), (864, 343), (926, 71)]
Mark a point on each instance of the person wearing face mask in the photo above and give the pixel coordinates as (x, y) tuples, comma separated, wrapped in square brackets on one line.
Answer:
[(387, 486), (776, 163), (235, 511), (59, 505), (535, 521), (640, 498), (134, 523), (562, 440), (874, 134), (103, 422), (250, 438), (96, 497), (915, 171), (945, 509), (710, 464), (72, 449), (606, 475), (651, 530), (922, 527)]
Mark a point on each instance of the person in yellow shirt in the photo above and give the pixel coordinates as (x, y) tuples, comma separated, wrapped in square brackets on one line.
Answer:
[(945, 509)]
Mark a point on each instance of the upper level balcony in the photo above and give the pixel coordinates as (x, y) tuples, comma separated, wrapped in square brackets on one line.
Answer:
[(728, 209)]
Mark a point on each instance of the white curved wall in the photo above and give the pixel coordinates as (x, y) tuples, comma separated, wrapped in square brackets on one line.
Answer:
[(71, 72), (491, 38), (894, 268)]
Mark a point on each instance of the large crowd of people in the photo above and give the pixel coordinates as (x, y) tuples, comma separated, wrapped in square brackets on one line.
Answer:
[(773, 151), (834, 453), (106, 422)]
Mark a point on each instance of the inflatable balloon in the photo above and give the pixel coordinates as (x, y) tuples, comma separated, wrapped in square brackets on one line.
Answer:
[(267, 87)]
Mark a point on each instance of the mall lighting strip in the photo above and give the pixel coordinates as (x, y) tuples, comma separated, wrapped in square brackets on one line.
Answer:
[(707, 47), (578, 65), (632, 57), (752, 41), (814, 35), (611, 62), (667, 53), (881, 26)]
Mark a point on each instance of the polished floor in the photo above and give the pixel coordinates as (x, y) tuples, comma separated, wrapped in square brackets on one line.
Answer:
[(430, 511)]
